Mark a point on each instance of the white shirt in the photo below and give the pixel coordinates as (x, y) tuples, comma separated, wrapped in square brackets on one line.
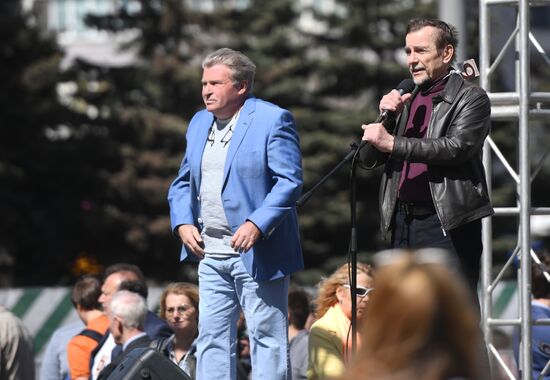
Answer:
[(103, 356)]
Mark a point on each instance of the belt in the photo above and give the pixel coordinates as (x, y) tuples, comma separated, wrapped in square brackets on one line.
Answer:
[(416, 208)]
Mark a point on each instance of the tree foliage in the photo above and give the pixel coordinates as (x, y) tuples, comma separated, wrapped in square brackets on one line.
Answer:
[(41, 175)]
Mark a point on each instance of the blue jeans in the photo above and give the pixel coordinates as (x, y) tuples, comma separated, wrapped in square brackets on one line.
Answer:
[(225, 288)]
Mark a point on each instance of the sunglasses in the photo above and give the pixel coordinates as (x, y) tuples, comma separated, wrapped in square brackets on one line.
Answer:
[(225, 138), (360, 291)]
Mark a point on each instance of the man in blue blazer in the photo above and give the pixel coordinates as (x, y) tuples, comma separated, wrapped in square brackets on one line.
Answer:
[(233, 206)]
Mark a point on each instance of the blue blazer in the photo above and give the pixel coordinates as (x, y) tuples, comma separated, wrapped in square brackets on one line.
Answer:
[(262, 182)]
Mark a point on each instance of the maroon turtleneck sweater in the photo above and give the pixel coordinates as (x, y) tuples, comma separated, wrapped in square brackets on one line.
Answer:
[(413, 186)]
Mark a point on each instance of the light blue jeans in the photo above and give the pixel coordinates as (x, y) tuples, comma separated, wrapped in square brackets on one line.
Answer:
[(225, 287)]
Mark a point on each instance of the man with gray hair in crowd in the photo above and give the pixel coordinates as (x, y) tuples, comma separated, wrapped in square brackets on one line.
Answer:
[(127, 312), (233, 207), (115, 278)]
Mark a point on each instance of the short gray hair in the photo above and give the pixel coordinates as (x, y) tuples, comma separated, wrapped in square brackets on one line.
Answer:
[(242, 67), (130, 308)]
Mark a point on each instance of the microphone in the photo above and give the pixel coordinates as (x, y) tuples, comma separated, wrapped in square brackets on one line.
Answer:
[(404, 87)]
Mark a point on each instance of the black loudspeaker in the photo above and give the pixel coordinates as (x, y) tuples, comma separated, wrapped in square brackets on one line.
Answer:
[(147, 364)]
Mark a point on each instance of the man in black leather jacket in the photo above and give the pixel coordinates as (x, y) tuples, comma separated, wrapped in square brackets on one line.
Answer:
[(433, 191)]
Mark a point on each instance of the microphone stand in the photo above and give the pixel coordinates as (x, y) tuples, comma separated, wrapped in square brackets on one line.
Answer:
[(353, 248), (349, 157)]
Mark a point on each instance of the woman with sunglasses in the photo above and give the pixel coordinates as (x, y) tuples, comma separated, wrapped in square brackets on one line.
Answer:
[(179, 306), (330, 335)]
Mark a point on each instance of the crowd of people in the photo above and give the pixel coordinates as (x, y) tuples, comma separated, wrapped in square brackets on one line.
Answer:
[(115, 321), (233, 206), (415, 321)]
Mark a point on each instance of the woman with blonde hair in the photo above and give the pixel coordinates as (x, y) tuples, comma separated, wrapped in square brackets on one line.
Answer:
[(330, 336), (179, 306), (421, 324)]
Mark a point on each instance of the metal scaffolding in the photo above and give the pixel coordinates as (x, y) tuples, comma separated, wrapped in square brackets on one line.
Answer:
[(521, 106)]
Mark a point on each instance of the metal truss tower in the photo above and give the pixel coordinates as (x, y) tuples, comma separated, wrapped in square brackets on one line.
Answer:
[(521, 106)]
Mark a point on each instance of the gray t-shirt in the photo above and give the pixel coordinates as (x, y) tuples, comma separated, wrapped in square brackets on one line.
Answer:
[(216, 232)]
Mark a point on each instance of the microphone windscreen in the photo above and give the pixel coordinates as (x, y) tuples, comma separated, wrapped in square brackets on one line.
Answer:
[(406, 86)]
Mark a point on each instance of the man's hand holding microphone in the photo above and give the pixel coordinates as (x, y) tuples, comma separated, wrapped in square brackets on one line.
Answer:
[(391, 104)]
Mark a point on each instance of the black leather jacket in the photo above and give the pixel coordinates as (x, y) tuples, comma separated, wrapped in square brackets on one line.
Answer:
[(459, 124)]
